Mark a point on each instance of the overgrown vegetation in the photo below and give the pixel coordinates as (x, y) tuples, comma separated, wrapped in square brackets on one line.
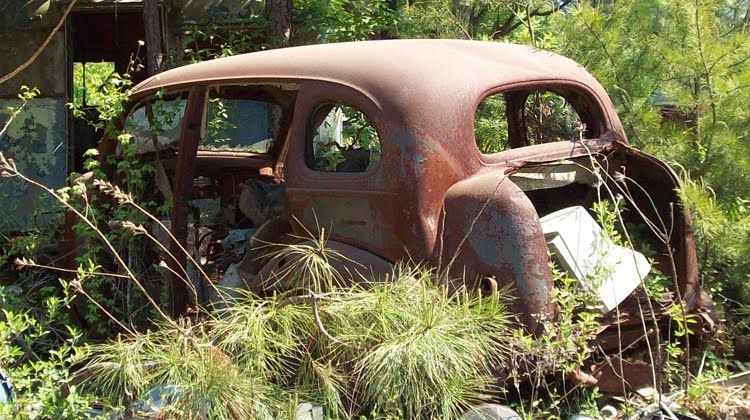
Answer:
[(402, 349), (678, 73)]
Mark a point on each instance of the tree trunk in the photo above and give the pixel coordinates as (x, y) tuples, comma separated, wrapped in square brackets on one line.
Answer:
[(279, 15), (152, 25), (174, 34)]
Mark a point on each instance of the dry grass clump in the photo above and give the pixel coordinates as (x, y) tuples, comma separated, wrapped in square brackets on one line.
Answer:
[(713, 401)]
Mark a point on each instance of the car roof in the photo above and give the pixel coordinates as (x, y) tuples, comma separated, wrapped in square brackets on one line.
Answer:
[(420, 62)]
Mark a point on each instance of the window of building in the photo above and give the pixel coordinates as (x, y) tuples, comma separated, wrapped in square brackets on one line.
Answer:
[(88, 80)]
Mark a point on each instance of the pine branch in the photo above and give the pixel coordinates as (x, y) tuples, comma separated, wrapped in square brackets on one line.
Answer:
[(511, 24)]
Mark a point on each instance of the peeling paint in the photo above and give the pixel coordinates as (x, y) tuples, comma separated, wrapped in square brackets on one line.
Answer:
[(36, 141)]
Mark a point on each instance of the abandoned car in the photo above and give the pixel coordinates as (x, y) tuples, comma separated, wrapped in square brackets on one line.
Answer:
[(486, 160)]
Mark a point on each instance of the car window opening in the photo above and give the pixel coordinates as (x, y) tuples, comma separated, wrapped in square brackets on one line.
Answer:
[(240, 119), (228, 205), (155, 124), (513, 119), (341, 139)]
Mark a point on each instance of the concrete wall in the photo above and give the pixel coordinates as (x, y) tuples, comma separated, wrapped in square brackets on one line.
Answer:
[(37, 138), (20, 35)]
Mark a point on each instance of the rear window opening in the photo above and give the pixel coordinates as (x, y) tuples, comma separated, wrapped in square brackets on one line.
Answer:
[(549, 117), (508, 120)]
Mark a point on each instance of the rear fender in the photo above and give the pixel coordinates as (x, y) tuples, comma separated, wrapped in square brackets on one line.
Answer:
[(491, 229)]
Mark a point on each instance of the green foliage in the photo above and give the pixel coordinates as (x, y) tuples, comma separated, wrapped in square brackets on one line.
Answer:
[(550, 118), (417, 351), (678, 73), (309, 265), (38, 352), (358, 132), (120, 296), (110, 93), (564, 345), (204, 380), (474, 19), (219, 122), (343, 20), (491, 125), (88, 81), (206, 42), (110, 98), (561, 348), (723, 232)]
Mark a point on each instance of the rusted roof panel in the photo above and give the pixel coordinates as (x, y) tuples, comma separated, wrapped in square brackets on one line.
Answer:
[(418, 67)]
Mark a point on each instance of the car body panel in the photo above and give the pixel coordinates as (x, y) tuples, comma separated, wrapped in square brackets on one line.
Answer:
[(433, 197)]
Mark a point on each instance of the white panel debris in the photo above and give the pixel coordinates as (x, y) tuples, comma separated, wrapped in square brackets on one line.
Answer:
[(585, 253)]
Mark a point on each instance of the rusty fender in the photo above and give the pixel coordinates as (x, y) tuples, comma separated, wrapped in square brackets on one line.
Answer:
[(491, 229)]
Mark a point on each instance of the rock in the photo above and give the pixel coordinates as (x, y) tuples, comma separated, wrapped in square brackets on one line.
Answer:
[(491, 412), (608, 412), (645, 391), (307, 411)]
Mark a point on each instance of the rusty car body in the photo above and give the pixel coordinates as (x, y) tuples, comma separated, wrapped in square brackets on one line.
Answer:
[(428, 193)]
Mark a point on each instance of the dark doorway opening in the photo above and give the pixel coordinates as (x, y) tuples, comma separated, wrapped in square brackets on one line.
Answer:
[(101, 43)]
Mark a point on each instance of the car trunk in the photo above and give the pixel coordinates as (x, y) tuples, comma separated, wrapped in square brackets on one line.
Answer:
[(655, 224)]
